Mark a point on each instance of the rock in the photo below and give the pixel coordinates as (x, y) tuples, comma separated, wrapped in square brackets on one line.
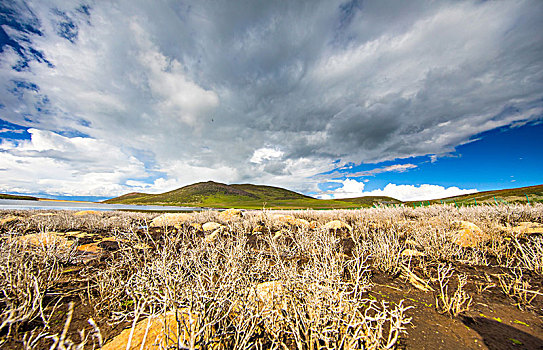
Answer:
[(259, 229), (43, 214), (313, 225), (269, 295), (92, 248), (80, 234), (210, 226), (290, 220), (86, 212), (45, 239), (8, 219), (170, 220), (141, 246), (230, 215), (412, 243), (279, 234), (468, 234), (109, 245), (411, 252), (196, 226), (527, 228), (164, 332), (212, 237), (337, 225)]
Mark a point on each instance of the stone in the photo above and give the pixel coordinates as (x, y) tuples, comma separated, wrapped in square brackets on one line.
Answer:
[(210, 226), (86, 212), (279, 234), (171, 220), (337, 225), (527, 228), (141, 246), (92, 248), (313, 225), (196, 226), (230, 215), (8, 219), (158, 332), (269, 295), (411, 252), (43, 214), (212, 237), (109, 245), (413, 243), (468, 235), (45, 239), (290, 220)]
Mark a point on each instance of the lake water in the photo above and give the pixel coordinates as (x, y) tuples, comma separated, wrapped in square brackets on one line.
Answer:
[(26, 205)]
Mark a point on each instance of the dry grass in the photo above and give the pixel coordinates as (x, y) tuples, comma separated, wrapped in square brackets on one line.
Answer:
[(319, 278)]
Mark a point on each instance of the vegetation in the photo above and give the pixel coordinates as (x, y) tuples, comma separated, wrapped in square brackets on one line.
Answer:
[(354, 279), (533, 194), (15, 196), (216, 195)]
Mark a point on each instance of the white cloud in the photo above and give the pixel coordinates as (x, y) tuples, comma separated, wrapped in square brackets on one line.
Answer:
[(60, 165), (265, 153), (352, 188)]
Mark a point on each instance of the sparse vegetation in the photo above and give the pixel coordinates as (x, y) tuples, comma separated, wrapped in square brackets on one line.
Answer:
[(260, 279)]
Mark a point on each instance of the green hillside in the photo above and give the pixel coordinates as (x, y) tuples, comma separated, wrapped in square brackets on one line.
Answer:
[(512, 195), (217, 195), (15, 196)]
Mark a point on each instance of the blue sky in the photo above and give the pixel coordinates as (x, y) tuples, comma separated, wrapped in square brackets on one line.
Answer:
[(501, 158), (415, 100)]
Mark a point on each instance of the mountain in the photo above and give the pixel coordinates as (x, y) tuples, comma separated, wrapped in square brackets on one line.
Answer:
[(510, 195), (15, 196), (218, 195)]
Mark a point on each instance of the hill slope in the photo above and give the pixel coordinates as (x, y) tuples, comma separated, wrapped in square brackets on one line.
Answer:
[(217, 195), (510, 195)]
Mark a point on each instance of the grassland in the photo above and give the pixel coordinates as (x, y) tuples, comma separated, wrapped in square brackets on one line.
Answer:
[(425, 278), (533, 194)]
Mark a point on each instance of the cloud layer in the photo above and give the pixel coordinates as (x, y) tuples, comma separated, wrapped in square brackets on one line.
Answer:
[(139, 95), (351, 188)]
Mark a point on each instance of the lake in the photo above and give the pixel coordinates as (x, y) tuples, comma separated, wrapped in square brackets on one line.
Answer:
[(50, 205)]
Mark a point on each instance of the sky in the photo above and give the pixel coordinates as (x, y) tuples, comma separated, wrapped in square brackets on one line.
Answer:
[(334, 99)]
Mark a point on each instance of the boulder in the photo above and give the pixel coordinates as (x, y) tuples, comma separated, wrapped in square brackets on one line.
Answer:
[(270, 295), (337, 225), (91, 248), (210, 226), (45, 239), (212, 237), (171, 220), (468, 235), (527, 228), (230, 215), (86, 212), (158, 332), (8, 219), (313, 225), (411, 252), (289, 220)]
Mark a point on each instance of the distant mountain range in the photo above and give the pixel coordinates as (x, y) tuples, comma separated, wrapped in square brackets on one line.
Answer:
[(218, 195), (512, 195)]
